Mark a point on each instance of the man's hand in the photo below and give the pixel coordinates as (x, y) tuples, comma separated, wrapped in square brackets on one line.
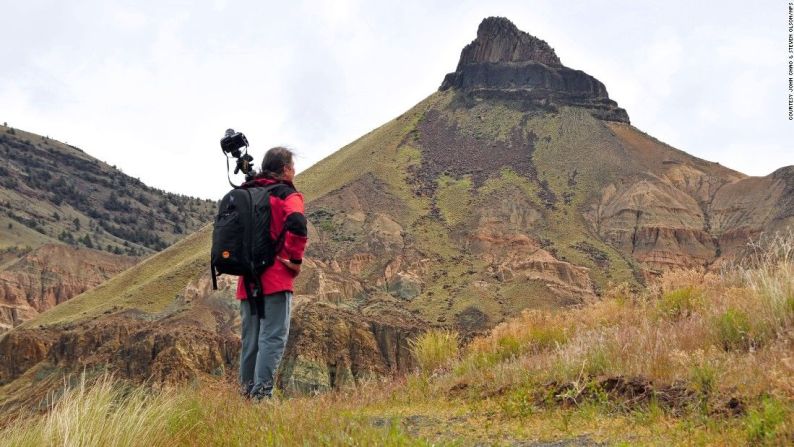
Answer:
[(291, 265)]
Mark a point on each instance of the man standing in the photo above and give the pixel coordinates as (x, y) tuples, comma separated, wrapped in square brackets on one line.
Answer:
[(265, 326)]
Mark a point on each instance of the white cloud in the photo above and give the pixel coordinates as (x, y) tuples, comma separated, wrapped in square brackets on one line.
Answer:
[(128, 19), (151, 86)]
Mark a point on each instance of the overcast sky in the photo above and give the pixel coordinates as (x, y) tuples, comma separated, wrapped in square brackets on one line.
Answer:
[(150, 86)]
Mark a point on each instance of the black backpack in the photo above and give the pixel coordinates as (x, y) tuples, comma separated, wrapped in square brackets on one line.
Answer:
[(241, 241)]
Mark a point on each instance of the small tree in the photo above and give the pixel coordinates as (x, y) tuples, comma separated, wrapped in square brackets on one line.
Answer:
[(66, 236), (76, 224)]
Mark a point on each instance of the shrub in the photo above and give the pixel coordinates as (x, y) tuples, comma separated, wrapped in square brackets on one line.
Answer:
[(733, 330), (10, 182), (597, 362), (704, 381), (66, 236), (533, 331), (680, 302), (435, 349), (769, 273), (763, 424), (520, 403)]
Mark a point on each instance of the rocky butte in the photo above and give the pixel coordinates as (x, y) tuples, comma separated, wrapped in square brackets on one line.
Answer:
[(505, 62), (518, 184)]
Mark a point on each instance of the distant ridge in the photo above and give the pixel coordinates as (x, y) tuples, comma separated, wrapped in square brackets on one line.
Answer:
[(69, 222)]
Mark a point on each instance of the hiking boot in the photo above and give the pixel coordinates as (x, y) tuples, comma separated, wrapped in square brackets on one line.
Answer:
[(261, 395), (245, 389)]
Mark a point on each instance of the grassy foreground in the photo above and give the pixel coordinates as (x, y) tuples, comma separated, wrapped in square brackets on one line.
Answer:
[(697, 359)]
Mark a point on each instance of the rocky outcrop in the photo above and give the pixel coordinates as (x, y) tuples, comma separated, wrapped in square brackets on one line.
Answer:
[(504, 63), (685, 213), (746, 208), (656, 223), (23, 350), (499, 40), (173, 349), (50, 275), (513, 254), (332, 345)]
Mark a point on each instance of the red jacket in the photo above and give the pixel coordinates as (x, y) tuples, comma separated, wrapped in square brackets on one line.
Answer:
[(286, 208)]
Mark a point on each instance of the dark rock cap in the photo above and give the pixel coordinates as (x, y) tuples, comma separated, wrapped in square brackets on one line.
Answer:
[(506, 64), (499, 40)]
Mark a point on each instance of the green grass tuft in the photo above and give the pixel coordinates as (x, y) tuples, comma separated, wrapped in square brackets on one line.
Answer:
[(733, 330), (680, 302), (435, 349), (764, 423)]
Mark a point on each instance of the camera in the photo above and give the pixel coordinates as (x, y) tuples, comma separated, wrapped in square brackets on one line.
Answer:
[(231, 144)]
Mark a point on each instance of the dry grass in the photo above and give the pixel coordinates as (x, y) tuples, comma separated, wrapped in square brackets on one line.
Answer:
[(107, 413), (435, 349), (100, 413), (666, 331), (769, 274), (718, 336)]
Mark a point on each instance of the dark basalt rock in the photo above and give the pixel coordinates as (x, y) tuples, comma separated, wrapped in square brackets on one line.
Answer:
[(508, 64), (499, 40)]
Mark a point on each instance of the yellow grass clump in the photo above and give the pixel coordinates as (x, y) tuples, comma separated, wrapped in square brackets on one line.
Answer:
[(435, 349), (99, 413)]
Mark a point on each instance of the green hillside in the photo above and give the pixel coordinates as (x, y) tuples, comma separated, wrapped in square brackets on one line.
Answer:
[(150, 286), (51, 192), (387, 155)]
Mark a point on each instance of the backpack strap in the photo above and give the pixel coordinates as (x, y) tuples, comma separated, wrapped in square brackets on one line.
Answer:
[(214, 277), (250, 295), (259, 300), (254, 293)]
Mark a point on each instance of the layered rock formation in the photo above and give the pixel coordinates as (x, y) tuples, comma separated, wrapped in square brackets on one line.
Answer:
[(50, 275), (508, 64)]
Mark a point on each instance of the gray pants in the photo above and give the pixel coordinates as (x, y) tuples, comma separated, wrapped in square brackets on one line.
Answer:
[(264, 340)]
